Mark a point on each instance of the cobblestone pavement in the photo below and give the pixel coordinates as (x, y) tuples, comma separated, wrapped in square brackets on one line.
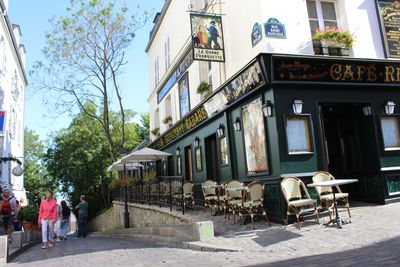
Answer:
[(372, 239)]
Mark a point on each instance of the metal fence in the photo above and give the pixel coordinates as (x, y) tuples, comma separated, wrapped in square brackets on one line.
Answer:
[(164, 191)]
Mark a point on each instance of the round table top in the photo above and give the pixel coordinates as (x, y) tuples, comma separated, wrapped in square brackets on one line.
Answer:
[(333, 182)]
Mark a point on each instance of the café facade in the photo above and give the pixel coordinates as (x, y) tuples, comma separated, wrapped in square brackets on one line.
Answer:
[(293, 115)]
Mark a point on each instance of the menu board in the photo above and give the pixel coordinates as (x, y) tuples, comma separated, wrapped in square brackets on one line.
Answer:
[(389, 11), (390, 132), (298, 135)]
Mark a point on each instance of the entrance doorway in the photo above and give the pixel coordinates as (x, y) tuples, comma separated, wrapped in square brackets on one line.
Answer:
[(350, 143), (212, 161), (189, 163)]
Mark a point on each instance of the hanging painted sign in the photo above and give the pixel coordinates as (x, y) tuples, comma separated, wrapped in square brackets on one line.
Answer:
[(207, 37), (256, 34), (275, 29), (389, 11), (2, 119)]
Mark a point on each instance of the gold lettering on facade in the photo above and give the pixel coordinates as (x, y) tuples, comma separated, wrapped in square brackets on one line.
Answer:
[(348, 73), (360, 72), (336, 71), (371, 75), (389, 77)]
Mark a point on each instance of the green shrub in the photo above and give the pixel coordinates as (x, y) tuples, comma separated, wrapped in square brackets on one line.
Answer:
[(28, 214)]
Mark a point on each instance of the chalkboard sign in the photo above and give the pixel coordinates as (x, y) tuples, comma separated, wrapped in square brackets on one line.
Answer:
[(389, 11), (275, 29)]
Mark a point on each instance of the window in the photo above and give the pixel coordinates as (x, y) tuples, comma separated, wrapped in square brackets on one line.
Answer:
[(298, 135), (3, 59), (167, 55), (156, 72), (197, 155), (322, 14), (179, 165), (14, 86), (390, 132), (223, 148)]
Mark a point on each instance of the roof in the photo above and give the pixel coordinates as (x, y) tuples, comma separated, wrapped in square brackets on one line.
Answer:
[(157, 22)]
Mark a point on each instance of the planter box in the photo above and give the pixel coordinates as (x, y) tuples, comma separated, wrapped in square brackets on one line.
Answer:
[(331, 43)]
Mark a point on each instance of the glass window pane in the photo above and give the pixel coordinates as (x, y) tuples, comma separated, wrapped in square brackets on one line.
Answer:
[(390, 132), (298, 135), (330, 24), (223, 146), (312, 10), (328, 10), (313, 25)]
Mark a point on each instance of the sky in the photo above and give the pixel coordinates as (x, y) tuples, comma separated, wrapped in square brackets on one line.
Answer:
[(33, 18)]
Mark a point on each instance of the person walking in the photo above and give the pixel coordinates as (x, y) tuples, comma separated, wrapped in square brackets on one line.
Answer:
[(7, 210), (47, 218), (82, 208), (58, 223), (66, 214), (16, 223)]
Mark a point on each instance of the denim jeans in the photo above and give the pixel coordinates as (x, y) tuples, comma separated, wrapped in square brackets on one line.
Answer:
[(82, 224), (64, 228), (47, 230)]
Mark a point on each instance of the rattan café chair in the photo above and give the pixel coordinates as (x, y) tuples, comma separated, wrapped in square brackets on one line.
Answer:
[(210, 195), (253, 202), (298, 199), (325, 193)]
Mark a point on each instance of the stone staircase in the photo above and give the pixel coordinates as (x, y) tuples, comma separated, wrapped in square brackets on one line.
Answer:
[(19, 241)]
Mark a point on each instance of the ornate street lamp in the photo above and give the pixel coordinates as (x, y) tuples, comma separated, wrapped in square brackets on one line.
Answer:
[(267, 109), (124, 152), (297, 106), (389, 107), (178, 151), (237, 125)]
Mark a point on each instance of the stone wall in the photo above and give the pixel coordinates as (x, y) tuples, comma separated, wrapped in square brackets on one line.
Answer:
[(140, 216)]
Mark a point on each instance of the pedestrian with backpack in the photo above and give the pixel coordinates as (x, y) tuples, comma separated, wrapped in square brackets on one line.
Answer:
[(66, 214), (7, 210)]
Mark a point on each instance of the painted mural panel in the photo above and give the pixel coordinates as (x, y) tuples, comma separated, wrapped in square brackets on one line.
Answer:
[(254, 137), (184, 95)]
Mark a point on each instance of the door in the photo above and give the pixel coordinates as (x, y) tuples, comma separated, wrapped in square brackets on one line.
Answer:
[(189, 163), (350, 146), (212, 160)]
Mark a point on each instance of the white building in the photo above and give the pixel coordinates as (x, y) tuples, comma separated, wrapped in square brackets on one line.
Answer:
[(170, 41), (13, 82)]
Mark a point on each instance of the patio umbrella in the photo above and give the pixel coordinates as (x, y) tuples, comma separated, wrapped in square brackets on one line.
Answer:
[(119, 166), (145, 154)]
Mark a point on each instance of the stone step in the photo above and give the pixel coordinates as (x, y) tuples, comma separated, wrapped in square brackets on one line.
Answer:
[(171, 241)]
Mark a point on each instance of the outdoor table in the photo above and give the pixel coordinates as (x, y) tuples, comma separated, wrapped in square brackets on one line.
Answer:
[(337, 220)]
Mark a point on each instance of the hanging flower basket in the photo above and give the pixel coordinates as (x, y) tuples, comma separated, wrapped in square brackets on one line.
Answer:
[(333, 37)]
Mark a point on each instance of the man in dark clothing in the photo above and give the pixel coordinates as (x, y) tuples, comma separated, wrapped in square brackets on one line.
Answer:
[(213, 36), (82, 217)]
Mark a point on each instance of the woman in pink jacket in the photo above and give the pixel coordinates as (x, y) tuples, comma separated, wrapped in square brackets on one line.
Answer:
[(47, 218)]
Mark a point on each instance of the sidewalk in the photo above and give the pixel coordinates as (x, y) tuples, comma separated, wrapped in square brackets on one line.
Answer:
[(370, 225)]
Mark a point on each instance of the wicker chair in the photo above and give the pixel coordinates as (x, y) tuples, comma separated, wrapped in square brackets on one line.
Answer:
[(298, 199), (234, 198), (209, 189), (325, 193), (253, 202), (187, 196)]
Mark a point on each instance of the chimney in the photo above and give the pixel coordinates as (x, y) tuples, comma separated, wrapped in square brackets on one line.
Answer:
[(17, 33), (22, 54)]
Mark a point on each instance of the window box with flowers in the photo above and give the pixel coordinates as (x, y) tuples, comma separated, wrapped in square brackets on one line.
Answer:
[(120, 182), (156, 131), (168, 120), (333, 37)]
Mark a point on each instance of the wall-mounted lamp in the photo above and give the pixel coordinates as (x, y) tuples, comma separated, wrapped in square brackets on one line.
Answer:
[(236, 124), (220, 130), (267, 109), (196, 142), (389, 107), (367, 111), (297, 106), (178, 151)]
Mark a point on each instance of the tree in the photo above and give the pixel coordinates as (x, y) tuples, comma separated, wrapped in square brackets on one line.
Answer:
[(78, 157), (86, 54), (36, 179)]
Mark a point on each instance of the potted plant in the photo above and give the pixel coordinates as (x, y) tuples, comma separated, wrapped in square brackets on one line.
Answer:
[(123, 182), (29, 217), (204, 88), (167, 120), (333, 37), (155, 131), (149, 176)]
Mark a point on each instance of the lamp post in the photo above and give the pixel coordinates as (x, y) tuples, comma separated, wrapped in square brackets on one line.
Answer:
[(126, 212)]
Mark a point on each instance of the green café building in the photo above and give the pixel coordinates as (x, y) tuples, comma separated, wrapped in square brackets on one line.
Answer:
[(287, 115)]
